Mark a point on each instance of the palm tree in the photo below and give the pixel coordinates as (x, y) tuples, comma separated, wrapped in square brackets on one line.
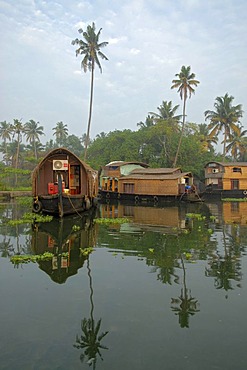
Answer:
[(5, 134), (184, 83), (205, 138), (18, 130), (149, 122), (237, 144), (224, 118), (32, 133), (166, 112), (90, 49), (90, 340), (61, 133)]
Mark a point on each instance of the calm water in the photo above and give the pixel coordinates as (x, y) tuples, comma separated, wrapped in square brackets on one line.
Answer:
[(164, 291)]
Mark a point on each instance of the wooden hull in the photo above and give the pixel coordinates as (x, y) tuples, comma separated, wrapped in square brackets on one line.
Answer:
[(143, 198), (63, 205), (221, 194)]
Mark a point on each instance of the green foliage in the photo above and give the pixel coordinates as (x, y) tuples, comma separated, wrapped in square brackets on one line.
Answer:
[(196, 216), (86, 251), (112, 220), (47, 256), (234, 199), (29, 218)]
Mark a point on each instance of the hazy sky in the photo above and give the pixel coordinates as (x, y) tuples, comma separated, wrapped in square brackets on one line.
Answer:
[(149, 41)]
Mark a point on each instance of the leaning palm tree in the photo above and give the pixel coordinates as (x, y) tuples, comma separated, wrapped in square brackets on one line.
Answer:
[(90, 49), (33, 133), (224, 118), (61, 133), (185, 83)]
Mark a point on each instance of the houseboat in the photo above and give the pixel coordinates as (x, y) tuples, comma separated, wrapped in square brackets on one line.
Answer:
[(226, 180), (62, 184), (137, 182)]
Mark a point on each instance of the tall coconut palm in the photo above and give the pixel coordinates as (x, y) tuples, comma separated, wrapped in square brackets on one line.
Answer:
[(237, 144), (18, 131), (61, 133), (185, 84), (224, 118), (90, 49), (33, 133), (5, 134)]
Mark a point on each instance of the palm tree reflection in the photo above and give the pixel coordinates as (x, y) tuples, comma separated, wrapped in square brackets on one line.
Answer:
[(90, 339), (185, 305)]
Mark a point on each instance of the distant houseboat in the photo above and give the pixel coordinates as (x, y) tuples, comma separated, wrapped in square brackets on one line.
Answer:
[(136, 181), (226, 179), (62, 184)]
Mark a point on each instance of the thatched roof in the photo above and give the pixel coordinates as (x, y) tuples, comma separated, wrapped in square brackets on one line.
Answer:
[(157, 176), (156, 171), (227, 164)]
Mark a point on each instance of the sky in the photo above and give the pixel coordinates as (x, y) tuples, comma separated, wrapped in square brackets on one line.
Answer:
[(148, 43)]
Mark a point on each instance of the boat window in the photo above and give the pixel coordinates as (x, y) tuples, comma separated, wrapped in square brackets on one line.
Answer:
[(128, 188), (234, 184)]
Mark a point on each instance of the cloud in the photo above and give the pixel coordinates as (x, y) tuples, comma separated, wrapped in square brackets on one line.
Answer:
[(148, 40)]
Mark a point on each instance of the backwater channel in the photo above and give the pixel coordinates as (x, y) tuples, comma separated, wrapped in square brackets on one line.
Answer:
[(165, 290)]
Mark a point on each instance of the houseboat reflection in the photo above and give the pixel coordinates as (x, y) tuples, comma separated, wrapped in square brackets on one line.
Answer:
[(66, 240), (229, 212), (168, 218)]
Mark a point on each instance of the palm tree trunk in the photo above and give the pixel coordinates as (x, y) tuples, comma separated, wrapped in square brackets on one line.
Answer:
[(182, 132), (17, 157), (90, 112), (224, 147)]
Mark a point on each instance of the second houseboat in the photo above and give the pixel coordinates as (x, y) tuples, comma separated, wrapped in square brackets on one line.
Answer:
[(135, 181)]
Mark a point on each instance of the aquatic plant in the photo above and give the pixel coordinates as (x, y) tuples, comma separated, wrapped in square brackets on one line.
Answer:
[(86, 251), (196, 216), (75, 228), (26, 258), (234, 199), (112, 220), (29, 218)]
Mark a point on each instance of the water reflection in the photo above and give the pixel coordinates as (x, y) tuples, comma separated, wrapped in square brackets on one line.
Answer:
[(185, 305), (65, 238), (90, 339), (216, 238)]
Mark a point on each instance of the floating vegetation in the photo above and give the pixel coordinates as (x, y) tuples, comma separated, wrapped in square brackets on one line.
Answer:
[(196, 216), (234, 199), (112, 220), (26, 258), (212, 218), (76, 228), (86, 251), (29, 218)]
